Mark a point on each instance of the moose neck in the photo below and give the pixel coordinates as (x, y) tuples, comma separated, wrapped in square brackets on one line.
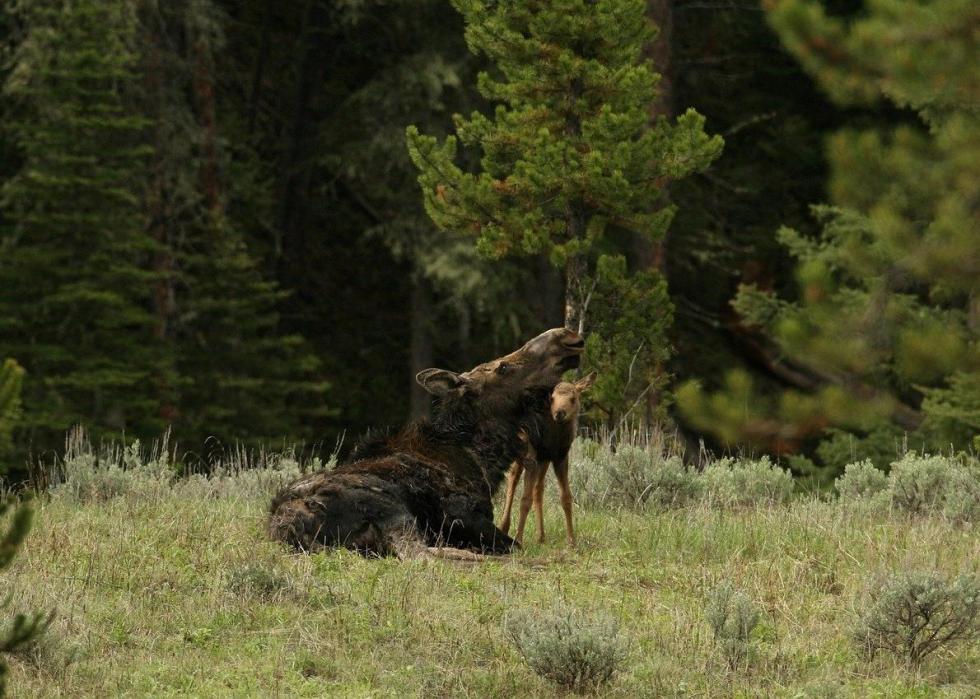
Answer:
[(490, 436)]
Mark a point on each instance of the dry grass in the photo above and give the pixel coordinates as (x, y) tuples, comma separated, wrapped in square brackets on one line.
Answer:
[(182, 595)]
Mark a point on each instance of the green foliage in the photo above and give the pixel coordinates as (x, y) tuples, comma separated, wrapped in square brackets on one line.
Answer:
[(570, 152), (87, 474), (924, 484), (917, 484), (578, 652), (881, 445), (636, 475), (626, 346), (861, 481), (732, 616), (888, 293), (152, 311), (11, 379), (912, 615), (740, 415), (25, 628), (746, 482), (248, 382), (84, 333), (240, 378)]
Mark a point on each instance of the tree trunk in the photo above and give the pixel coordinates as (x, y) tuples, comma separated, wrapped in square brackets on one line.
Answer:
[(575, 271), (649, 253), (661, 13), (204, 106), (421, 347)]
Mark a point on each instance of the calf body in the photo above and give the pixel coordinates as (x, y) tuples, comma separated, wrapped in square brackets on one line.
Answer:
[(433, 481), (548, 437)]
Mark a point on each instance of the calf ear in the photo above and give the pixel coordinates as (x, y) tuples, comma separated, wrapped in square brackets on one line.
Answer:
[(440, 382), (585, 382)]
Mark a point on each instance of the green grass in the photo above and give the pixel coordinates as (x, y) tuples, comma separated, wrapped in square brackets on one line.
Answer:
[(180, 594)]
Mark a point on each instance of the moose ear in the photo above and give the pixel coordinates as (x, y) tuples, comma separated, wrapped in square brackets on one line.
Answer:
[(585, 382), (440, 382)]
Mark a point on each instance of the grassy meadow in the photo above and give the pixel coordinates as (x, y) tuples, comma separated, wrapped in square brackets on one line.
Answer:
[(167, 587)]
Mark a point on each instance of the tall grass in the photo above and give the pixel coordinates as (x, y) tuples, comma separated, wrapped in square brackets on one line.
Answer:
[(165, 585)]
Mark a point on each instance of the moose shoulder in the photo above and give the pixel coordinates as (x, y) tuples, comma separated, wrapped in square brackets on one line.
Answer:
[(432, 481)]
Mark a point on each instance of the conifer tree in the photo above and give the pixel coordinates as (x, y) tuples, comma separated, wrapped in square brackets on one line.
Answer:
[(24, 628), (74, 263), (569, 154), (887, 328), (240, 378)]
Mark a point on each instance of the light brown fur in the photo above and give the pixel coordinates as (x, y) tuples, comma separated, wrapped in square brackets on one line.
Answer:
[(548, 442)]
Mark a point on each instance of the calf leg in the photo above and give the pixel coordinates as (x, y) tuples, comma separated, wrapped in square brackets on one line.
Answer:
[(539, 501), (513, 476), (533, 471), (565, 495)]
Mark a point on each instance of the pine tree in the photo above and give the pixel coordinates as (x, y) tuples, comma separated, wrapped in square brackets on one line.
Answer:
[(74, 265), (887, 329), (240, 378), (24, 628), (569, 155)]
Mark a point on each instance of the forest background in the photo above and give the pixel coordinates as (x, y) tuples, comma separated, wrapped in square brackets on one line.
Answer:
[(211, 221)]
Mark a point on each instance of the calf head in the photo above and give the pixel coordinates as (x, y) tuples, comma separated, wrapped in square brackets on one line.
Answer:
[(497, 386), (566, 398)]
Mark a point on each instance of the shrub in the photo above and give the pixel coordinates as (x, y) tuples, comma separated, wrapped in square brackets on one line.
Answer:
[(635, 475), (919, 483), (736, 483), (962, 501), (862, 481), (245, 477), (732, 617), (88, 475), (914, 614), (577, 652)]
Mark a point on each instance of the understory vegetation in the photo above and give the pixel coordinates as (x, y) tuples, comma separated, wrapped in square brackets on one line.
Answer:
[(720, 583)]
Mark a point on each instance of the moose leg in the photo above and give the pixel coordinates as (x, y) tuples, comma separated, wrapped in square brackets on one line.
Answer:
[(565, 495), (513, 476)]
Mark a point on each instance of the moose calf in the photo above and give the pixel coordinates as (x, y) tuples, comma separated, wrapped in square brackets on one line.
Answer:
[(549, 437)]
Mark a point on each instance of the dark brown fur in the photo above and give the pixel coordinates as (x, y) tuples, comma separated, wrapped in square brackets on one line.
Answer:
[(433, 480)]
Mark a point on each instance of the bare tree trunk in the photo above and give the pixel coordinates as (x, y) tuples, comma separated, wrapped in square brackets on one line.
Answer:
[(204, 105), (575, 272), (660, 52), (654, 254), (421, 347)]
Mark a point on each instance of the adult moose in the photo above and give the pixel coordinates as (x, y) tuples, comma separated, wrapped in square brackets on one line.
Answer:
[(431, 482)]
